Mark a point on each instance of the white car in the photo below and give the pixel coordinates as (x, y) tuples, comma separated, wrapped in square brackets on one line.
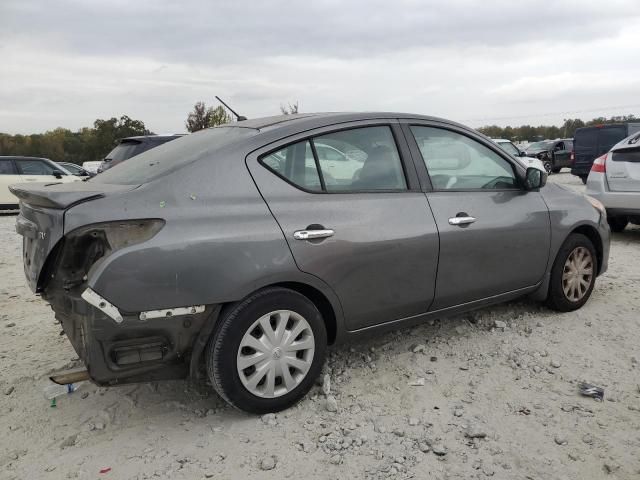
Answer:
[(511, 149), (92, 166), (28, 169), (614, 179)]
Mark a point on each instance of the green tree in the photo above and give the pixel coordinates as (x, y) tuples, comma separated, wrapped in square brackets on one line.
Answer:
[(203, 117)]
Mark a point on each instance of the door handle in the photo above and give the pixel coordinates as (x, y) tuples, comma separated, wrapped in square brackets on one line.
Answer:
[(311, 234), (460, 221)]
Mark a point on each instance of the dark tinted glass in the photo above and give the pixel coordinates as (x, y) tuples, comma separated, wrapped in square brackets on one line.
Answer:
[(587, 138), (609, 136), (627, 155), (6, 167)]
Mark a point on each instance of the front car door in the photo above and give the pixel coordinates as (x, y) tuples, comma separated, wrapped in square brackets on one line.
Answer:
[(562, 155), (364, 228), (494, 236), (41, 170)]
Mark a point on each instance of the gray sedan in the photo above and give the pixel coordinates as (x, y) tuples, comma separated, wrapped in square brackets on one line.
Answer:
[(240, 253)]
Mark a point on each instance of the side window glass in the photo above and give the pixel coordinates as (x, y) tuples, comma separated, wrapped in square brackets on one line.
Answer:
[(457, 162), (6, 167), (34, 167), (360, 159), (296, 164)]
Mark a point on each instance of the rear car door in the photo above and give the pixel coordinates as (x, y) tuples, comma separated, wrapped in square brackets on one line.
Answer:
[(8, 176), (365, 227), (623, 167), (494, 236)]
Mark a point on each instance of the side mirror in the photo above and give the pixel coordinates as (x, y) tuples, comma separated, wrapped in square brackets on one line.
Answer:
[(535, 179), (523, 153), (57, 173)]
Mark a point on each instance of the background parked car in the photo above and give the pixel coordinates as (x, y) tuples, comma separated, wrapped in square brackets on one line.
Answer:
[(91, 167), (28, 169), (76, 170), (511, 149), (132, 146), (615, 181), (591, 142), (554, 154)]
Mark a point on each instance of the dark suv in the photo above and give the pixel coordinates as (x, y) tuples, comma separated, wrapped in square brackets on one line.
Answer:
[(554, 154), (132, 146), (591, 142)]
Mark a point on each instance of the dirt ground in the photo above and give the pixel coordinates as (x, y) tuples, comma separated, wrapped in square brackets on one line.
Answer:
[(491, 394)]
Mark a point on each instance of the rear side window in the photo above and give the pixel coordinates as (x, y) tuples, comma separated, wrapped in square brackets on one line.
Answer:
[(6, 167), (628, 155), (358, 159), (35, 167)]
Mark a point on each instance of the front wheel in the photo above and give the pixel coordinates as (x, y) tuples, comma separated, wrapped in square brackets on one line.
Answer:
[(573, 274), (547, 165), (267, 351)]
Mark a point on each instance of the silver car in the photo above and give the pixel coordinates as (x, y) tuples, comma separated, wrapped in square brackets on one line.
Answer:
[(614, 180), (235, 253)]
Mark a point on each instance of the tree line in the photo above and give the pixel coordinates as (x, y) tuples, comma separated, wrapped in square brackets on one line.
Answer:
[(566, 130), (93, 143)]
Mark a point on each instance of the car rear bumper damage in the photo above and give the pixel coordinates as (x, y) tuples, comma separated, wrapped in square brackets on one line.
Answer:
[(127, 347)]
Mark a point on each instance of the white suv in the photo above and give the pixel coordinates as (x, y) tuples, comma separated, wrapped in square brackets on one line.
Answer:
[(28, 169)]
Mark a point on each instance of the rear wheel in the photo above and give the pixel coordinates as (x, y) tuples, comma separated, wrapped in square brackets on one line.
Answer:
[(617, 224), (267, 351), (573, 274)]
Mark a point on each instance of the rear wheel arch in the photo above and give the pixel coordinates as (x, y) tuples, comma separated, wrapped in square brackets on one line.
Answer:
[(592, 234)]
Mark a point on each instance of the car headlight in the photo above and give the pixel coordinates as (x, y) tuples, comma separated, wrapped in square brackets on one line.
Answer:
[(597, 204)]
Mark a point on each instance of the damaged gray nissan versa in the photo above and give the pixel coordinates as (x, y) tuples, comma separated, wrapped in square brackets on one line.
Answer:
[(244, 250)]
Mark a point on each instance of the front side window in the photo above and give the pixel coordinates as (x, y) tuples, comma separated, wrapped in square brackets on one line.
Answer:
[(6, 167), (457, 162), (35, 167), (358, 159), (509, 148)]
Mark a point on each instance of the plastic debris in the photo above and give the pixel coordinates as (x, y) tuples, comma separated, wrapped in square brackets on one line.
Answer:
[(592, 391), (105, 470)]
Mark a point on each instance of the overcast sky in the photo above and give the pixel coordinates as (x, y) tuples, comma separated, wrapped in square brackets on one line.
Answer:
[(67, 62)]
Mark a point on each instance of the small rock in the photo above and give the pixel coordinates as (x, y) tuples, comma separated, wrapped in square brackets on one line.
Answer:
[(336, 459), (418, 382), (11, 324), (460, 330), (474, 431), (99, 426), (433, 359), (84, 395), (331, 404), (458, 412), (611, 467), (537, 369), (424, 447), (269, 419), (419, 348), (9, 390), (70, 441), (560, 440), (413, 421), (634, 361), (326, 384), (499, 324), (439, 449), (555, 363), (587, 438), (268, 463)]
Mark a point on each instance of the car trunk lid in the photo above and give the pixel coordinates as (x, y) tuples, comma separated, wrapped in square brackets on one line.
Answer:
[(623, 170), (41, 218)]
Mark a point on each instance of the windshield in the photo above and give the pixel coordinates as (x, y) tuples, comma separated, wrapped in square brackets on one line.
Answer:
[(125, 150), (539, 146), (173, 155), (509, 148)]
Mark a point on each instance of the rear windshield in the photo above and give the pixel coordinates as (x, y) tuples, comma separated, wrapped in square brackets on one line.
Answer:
[(170, 156), (587, 138), (125, 150)]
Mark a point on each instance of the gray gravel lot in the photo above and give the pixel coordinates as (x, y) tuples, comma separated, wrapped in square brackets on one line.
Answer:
[(491, 394)]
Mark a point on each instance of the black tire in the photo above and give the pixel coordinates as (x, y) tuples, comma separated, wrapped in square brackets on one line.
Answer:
[(556, 169), (617, 224), (584, 179), (222, 350), (557, 300), (547, 165)]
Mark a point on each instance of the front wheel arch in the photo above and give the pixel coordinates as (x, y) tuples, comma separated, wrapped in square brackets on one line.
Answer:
[(592, 234)]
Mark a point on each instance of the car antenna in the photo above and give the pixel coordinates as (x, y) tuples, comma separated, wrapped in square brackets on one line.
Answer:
[(238, 117)]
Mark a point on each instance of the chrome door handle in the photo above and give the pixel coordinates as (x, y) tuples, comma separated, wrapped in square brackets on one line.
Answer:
[(461, 220), (311, 234)]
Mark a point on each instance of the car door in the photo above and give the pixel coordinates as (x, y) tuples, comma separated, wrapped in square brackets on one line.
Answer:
[(561, 155), (8, 176), (494, 235), (41, 170), (367, 232)]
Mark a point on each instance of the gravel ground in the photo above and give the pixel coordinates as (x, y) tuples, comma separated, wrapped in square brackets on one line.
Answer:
[(491, 394)]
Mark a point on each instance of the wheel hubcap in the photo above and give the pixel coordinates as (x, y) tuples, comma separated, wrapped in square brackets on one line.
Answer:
[(577, 274), (275, 354)]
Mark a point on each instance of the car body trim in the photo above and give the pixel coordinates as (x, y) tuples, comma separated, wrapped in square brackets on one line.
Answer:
[(171, 312), (92, 298)]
